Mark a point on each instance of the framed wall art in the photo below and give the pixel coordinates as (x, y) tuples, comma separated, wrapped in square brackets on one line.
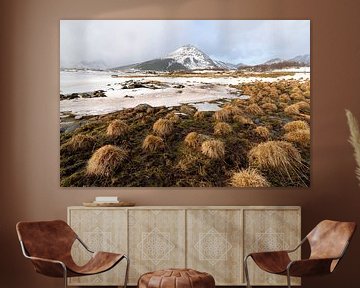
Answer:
[(192, 103)]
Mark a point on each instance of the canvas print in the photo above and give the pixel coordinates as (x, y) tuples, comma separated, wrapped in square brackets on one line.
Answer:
[(189, 103)]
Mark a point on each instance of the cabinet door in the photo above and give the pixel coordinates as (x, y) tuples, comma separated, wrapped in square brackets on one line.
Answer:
[(100, 230), (156, 240), (271, 230), (214, 244)]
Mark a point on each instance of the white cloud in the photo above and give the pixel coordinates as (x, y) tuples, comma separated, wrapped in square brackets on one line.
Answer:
[(122, 42)]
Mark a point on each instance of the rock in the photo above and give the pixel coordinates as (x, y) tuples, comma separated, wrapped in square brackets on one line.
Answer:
[(142, 107), (68, 127), (128, 96), (179, 86), (78, 117)]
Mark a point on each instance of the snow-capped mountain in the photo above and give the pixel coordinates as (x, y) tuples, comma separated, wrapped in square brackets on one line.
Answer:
[(187, 57), (88, 65), (303, 59), (274, 61), (225, 65), (192, 58)]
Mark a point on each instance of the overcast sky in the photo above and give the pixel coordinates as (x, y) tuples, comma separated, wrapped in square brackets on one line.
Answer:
[(122, 42)]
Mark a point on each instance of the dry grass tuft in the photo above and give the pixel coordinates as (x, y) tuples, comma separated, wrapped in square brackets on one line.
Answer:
[(296, 125), (117, 128), (199, 115), (248, 178), (242, 120), (269, 107), (214, 149), (297, 96), (292, 109), (153, 143), (175, 118), (106, 160), (354, 140), (223, 115), (303, 105), (279, 156), (262, 132), (284, 98), (187, 109), (222, 128), (163, 127), (194, 139), (301, 136), (254, 109), (79, 142)]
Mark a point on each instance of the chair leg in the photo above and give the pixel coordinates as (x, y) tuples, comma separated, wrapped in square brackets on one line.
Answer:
[(65, 277), (246, 270), (288, 278), (126, 271)]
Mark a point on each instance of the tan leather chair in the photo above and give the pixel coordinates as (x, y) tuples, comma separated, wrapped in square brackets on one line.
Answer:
[(48, 245), (328, 242)]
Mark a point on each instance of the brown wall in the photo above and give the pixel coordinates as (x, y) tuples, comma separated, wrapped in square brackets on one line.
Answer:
[(29, 125)]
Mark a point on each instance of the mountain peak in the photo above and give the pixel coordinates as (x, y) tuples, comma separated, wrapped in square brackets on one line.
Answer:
[(192, 57)]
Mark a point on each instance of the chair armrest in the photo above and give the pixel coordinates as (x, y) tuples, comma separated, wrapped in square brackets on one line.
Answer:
[(309, 267), (49, 267)]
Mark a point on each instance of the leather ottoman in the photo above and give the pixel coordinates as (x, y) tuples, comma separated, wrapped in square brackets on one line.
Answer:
[(176, 278)]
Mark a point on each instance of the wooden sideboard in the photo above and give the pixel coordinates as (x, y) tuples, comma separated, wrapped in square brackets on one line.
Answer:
[(212, 239)]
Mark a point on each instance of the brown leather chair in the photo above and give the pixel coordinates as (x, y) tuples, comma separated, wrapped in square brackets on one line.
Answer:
[(48, 245), (328, 242)]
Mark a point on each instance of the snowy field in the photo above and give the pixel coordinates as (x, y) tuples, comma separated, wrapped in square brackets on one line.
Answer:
[(197, 90)]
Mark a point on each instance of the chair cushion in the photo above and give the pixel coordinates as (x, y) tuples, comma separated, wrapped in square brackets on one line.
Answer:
[(176, 278)]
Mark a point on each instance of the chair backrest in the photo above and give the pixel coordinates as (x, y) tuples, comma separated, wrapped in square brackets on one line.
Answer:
[(329, 239), (46, 239)]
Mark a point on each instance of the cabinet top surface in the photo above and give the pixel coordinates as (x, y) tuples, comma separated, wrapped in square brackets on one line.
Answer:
[(192, 207)]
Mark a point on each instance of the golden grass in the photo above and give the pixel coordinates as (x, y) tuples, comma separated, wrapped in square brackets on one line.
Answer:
[(194, 139), (163, 127), (279, 156), (199, 115), (284, 98), (187, 162), (117, 128), (175, 118), (187, 109), (153, 143), (254, 109), (106, 160), (213, 149), (303, 105), (269, 107), (79, 142), (354, 140), (292, 109), (262, 132), (242, 120), (297, 96), (296, 125), (234, 110), (301, 136), (222, 128), (223, 115), (248, 178)]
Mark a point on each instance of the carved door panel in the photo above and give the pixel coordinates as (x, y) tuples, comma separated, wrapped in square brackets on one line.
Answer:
[(156, 239), (270, 230), (101, 230), (214, 244)]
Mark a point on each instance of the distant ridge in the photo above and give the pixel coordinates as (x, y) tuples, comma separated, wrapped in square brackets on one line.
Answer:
[(189, 57)]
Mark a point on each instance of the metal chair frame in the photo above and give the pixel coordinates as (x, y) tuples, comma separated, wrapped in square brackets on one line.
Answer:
[(288, 276), (23, 249)]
